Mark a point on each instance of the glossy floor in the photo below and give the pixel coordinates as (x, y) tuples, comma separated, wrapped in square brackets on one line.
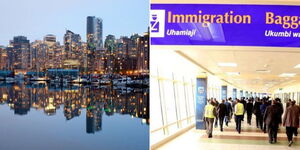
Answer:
[(35, 117), (249, 139)]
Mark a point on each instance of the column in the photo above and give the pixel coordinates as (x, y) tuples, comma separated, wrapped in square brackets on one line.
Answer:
[(241, 94), (224, 92), (201, 100), (234, 93)]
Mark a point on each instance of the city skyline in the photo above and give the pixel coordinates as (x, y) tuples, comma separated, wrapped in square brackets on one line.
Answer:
[(39, 19)]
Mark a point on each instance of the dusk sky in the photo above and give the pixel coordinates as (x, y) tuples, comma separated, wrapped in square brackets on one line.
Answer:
[(37, 18)]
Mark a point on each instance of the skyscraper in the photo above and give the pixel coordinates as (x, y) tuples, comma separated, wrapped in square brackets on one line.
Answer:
[(143, 53), (72, 44), (20, 53), (3, 58), (94, 33), (73, 50), (110, 45), (94, 36)]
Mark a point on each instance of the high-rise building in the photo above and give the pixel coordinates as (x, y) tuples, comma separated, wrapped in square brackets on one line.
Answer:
[(94, 33), (3, 58), (110, 45), (38, 55), (143, 53), (72, 44), (20, 53), (129, 50), (94, 36)]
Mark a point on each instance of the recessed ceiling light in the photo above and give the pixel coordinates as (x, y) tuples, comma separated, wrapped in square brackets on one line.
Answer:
[(233, 73), (228, 64), (263, 71), (297, 66), (287, 75)]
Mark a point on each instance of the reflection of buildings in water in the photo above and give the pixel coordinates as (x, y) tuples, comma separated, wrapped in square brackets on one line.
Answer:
[(96, 101), (94, 117), (50, 109), (19, 101)]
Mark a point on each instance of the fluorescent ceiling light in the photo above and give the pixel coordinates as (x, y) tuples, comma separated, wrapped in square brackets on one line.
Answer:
[(233, 73), (297, 66), (263, 71), (287, 75), (229, 64)]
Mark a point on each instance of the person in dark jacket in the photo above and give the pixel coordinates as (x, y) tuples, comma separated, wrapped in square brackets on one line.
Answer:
[(249, 109), (272, 119), (222, 111), (263, 108), (288, 103), (228, 112), (257, 113), (291, 120), (280, 106), (216, 104)]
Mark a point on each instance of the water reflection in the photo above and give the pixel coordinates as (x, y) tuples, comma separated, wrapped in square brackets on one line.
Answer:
[(73, 99)]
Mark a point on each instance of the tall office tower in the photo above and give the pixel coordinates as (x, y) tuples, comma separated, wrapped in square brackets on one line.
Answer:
[(129, 50), (72, 44), (110, 45), (143, 53), (20, 53), (94, 33), (94, 36), (38, 55)]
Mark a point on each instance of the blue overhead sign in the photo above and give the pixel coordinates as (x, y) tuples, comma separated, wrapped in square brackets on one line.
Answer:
[(225, 24)]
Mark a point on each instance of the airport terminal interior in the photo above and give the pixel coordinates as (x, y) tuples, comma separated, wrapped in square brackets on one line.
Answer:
[(256, 71)]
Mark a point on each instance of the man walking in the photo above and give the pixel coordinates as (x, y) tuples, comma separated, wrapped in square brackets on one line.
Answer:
[(272, 119), (210, 114), (216, 104), (228, 112), (238, 111), (263, 108), (249, 109), (291, 121), (258, 115), (222, 111)]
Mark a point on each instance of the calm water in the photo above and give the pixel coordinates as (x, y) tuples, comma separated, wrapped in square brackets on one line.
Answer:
[(41, 116)]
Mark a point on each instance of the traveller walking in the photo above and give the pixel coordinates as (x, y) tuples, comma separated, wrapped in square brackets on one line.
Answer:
[(272, 119), (263, 108), (288, 103), (258, 115), (228, 112), (210, 114), (249, 109), (238, 111), (291, 121), (243, 101), (222, 111), (216, 104)]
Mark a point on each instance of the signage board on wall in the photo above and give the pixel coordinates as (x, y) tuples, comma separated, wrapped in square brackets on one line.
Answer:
[(225, 24), (234, 93), (201, 101), (241, 94), (224, 92)]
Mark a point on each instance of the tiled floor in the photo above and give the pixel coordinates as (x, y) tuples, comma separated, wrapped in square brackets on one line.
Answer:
[(251, 138)]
